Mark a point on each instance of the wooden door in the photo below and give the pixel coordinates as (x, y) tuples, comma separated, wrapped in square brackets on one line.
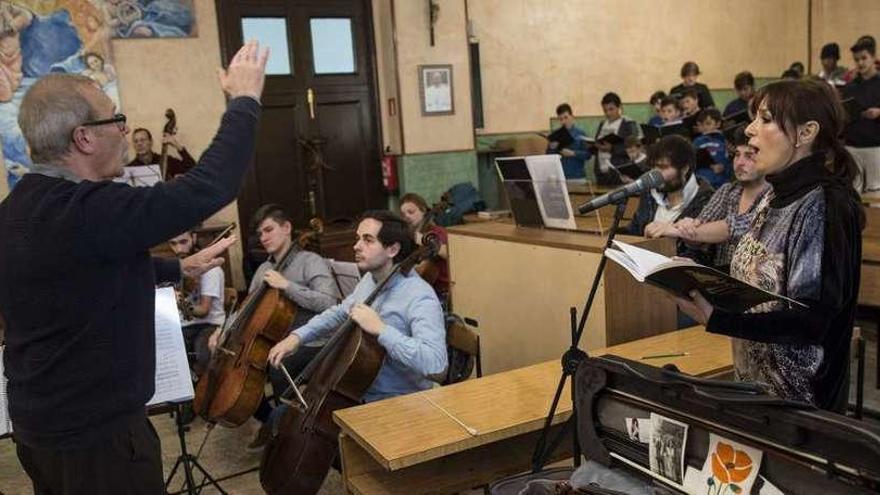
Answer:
[(318, 147)]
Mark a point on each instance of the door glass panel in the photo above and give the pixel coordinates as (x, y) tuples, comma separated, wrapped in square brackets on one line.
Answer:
[(332, 45), (270, 32)]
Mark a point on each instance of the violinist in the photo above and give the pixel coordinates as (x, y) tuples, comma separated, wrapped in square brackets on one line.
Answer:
[(408, 319), (307, 281), (202, 308), (414, 209)]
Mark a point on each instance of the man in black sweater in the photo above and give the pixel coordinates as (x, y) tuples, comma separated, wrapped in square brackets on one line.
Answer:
[(77, 281)]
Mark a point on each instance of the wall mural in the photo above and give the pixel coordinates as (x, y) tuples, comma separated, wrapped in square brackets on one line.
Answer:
[(150, 18), (38, 37)]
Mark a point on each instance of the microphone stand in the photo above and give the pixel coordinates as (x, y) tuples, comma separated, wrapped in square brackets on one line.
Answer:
[(571, 359)]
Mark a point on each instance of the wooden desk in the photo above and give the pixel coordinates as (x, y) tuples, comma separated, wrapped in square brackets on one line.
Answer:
[(518, 284), (869, 291), (408, 445)]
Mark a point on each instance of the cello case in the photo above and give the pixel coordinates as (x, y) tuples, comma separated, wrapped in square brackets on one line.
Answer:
[(805, 450)]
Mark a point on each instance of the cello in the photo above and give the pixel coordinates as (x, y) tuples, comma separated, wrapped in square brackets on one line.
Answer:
[(297, 458), (231, 390)]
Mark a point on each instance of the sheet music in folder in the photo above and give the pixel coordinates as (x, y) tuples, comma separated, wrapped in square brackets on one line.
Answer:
[(5, 422), (173, 380)]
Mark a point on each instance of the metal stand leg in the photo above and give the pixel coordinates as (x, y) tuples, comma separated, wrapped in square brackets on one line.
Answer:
[(189, 463)]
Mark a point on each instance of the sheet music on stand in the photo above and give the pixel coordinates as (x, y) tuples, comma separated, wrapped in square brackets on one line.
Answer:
[(5, 422), (140, 175), (173, 379)]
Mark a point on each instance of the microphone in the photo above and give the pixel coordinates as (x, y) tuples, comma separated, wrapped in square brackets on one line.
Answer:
[(648, 180)]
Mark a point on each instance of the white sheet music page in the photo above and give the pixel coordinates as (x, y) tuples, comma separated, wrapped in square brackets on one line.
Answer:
[(173, 380), (5, 422)]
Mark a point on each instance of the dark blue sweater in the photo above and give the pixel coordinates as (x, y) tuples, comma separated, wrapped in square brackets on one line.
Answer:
[(77, 286)]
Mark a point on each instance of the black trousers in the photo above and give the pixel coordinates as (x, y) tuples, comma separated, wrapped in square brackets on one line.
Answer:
[(127, 463), (195, 338), (294, 364)]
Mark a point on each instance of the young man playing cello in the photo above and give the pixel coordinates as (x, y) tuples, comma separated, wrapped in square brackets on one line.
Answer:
[(408, 319), (306, 280)]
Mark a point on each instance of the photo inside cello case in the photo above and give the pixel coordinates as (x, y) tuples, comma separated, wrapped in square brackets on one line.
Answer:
[(648, 430)]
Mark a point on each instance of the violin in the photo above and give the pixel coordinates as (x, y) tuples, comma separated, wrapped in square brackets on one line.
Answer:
[(297, 458), (170, 129)]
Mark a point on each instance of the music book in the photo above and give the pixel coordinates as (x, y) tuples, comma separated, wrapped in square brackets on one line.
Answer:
[(737, 118), (561, 136), (653, 134), (5, 422), (680, 276), (629, 169), (730, 131), (173, 379), (853, 108)]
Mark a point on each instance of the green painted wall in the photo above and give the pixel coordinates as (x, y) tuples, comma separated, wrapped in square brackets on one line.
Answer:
[(431, 174)]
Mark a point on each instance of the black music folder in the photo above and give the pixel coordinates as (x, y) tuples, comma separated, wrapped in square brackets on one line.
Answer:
[(652, 134), (561, 136), (735, 119)]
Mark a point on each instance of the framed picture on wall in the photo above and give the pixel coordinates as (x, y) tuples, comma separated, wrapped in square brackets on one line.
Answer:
[(435, 89)]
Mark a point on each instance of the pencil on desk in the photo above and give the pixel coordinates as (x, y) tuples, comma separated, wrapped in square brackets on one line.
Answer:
[(660, 356)]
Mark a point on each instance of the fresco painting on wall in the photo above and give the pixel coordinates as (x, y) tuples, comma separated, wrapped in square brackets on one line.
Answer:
[(150, 18), (39, 37)]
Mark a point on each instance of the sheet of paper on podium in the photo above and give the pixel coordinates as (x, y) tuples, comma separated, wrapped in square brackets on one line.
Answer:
[(140, 175), (173, 380), (5, 422)]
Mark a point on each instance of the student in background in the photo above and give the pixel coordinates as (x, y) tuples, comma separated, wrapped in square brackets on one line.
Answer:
[(610, 156), (799, 68), (863, 40), (656, 99), (714, 234), (791, 74), (575, 154), (690, 71), (744, 83), (711, 140), (862, 134), (682, 195), (635, 150), (832, 73), (689, 102), (669, 111)]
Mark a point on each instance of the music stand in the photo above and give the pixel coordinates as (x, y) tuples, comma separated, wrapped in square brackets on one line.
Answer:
[(187, 461)]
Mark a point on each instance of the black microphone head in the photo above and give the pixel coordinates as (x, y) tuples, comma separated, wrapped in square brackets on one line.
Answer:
[(651, 179)]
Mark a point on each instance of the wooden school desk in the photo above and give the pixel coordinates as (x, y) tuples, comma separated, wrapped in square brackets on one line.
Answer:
[(517, 284), (410, 445)]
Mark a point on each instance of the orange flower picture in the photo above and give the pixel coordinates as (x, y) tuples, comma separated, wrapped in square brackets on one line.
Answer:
[(730, 468)]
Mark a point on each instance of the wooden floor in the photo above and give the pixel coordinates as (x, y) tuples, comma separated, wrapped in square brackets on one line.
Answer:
[(225, 450)]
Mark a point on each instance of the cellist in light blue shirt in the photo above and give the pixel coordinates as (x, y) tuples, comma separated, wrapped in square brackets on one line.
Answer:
[(408, 321)]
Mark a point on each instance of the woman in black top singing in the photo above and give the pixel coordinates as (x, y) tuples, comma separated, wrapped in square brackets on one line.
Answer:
[(804, 243)]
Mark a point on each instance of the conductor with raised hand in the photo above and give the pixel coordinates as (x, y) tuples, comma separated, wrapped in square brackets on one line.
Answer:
[(77, 280)]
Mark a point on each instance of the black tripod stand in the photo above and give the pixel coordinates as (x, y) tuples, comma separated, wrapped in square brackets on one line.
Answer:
[(188, 461), (572, 358)]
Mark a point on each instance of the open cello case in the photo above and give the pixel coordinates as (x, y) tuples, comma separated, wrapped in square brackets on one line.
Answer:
[(804, 450)]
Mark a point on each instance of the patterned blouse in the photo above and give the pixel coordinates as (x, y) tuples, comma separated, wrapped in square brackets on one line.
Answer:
[(804, 243)]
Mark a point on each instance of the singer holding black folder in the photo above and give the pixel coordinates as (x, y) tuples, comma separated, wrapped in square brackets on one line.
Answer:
[(569, 142), (804, 243)]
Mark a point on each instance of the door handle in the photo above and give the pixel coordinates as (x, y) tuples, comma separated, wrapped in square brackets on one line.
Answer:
[(310, 98)]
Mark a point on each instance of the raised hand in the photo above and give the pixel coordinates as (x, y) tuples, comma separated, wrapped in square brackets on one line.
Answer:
[(246, 73), (199, 263)]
